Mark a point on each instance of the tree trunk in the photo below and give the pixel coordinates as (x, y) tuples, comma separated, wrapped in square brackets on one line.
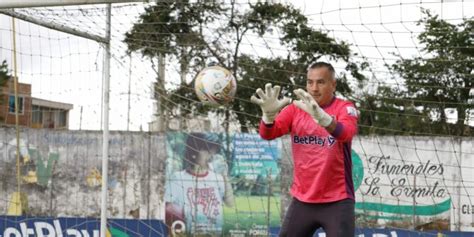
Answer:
[(161, 94)]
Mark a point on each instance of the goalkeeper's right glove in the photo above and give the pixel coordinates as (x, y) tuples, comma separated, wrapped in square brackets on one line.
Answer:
[(269, 102)]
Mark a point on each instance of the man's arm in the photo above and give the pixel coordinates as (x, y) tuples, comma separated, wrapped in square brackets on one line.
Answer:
[(332, 126), (280, 126), (345, 128)]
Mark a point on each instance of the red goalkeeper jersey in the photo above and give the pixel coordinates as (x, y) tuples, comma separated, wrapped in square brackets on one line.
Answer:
[(322, 161)]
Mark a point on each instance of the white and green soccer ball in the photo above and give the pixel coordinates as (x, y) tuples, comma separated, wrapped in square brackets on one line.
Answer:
[(215, 86)]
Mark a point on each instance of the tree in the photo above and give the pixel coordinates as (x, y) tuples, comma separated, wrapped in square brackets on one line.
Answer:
[(4, 77), (440, 80), (387, 113), (4, 74), (230, 24), (304, 45), (170, 28)]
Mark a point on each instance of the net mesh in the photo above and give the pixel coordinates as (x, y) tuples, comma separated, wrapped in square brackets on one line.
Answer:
[(407, 65)]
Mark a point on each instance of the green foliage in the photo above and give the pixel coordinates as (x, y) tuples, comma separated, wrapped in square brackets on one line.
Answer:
[(386, 114), (169, 27), (444, 78), (4, 77), (439, 79), (4, 74), (172, 28), (255, 74), (179, 29)]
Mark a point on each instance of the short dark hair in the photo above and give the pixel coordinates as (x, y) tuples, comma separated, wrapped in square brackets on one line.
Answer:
[(199, 142), (316, 65)]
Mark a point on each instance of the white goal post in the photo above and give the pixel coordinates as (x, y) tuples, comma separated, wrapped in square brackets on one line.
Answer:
[(411, 160), (50, 3), (6, 8)]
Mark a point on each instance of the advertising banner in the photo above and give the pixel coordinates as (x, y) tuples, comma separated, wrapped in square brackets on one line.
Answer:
[(222, 185), (23, 226)]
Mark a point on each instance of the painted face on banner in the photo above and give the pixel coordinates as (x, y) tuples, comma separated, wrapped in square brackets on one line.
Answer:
[(204, 157)]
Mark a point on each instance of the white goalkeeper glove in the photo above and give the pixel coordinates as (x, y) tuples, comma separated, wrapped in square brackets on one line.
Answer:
[(307, 103), (269, 102)]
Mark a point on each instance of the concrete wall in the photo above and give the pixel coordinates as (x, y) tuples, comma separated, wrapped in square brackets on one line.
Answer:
[(60, 173), (406, 182)]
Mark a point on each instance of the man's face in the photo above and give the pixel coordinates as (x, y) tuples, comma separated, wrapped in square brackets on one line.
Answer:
[(321, 85)]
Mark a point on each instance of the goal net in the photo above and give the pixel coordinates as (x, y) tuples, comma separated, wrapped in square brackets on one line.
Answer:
[(407, 66)]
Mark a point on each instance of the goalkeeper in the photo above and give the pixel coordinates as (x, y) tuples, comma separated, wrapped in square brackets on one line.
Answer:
[(321, 128)]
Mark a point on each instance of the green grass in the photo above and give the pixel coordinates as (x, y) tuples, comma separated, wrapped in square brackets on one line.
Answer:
[(251, 210)]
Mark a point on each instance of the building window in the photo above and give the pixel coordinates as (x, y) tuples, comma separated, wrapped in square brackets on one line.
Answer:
[(62, 118), (36, 115), (11, 104)]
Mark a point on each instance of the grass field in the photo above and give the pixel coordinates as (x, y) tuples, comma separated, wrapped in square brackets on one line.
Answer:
[(250, 211)]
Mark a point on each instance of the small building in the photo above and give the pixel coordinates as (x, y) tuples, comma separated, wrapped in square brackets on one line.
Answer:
[(7, 104), (33, 112), (49, 114)]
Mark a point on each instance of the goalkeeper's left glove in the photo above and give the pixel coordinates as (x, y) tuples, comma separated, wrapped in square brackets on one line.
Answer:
[(307, 103)]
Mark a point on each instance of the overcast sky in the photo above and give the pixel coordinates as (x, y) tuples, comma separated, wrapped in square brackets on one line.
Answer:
[(68, 69)]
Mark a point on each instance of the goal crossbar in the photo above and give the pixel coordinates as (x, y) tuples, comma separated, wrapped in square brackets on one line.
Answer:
[(50, 3), (54, 26)]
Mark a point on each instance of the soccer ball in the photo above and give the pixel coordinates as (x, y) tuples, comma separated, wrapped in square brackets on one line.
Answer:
[(215, 85)]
